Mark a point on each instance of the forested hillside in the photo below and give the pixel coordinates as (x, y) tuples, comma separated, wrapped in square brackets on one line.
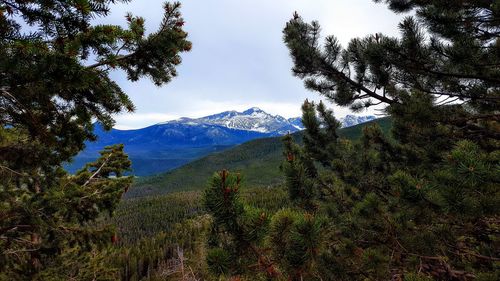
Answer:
[(167, 145), (258, 160), (144, 217)]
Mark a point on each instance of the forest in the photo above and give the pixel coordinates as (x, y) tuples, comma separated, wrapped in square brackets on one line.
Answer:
[(412, 196)]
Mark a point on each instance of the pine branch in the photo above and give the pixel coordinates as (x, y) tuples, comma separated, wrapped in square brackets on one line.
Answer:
[(332, 72), (98, 170), (107, 62)]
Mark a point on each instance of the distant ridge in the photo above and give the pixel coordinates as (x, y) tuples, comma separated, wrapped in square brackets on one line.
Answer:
[(258, 160), (167, 145), (353, 120), (252, 119), (256, 119)]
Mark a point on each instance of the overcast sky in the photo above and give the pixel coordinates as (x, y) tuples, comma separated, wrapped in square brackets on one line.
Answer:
[(238, 58)]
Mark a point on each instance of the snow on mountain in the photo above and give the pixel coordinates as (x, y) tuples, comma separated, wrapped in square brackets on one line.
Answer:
[(167, 145), (257, 120), (297, 123), (352, 120), (253, 119), (347, 121)]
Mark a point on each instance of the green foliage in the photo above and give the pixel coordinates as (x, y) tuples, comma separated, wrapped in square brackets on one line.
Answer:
[(137, 219), (55, 82), (238, 228), (219, 261), (295, 239), (172, 254), (467, 181), (395, 208), (418, 204), (298, 173), (150, 232), (247, 239), (222, 200), (144, 217), (50, 96), (416, 277), (41, 229), (259, 160), (77, 265), (168, 255), (447, 53)]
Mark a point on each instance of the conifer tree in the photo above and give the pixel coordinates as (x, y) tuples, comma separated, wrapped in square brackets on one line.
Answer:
[(245, 241), (422, 203), (55, 66), (237, 227), (447, 54), (419, 204)]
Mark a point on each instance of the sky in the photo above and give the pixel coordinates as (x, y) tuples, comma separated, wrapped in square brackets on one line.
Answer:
[(238, 58)]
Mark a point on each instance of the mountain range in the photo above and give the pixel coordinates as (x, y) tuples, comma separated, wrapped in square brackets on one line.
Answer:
[(257, 120), (257, 160), (164, 146), (253, 119)]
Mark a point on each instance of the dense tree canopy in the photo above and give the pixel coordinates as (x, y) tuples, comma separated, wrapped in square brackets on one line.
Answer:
[(423, 201), (55, 64), (419, 204)]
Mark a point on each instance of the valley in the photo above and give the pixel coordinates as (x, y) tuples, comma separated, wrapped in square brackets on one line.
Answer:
[(165, 146), (163, 213), (258, 160)]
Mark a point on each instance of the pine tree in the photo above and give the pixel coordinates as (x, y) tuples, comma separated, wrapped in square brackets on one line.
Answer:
[(246, 241), (55, 83), (422, 202), (237, 227), (394, 213), (448, 54)]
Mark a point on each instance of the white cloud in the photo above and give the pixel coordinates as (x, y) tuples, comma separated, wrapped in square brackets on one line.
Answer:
[(138, 120)]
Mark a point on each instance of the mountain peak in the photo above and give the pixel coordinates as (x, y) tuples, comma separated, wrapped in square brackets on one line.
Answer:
[(257, 120), (252, 110), (351, 120), (252, 119)]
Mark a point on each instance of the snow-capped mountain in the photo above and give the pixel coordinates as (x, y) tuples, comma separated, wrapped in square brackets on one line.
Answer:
[(167, 145), (253, 119), (297, 123), (257, 120), (347, 121), (352, 120)]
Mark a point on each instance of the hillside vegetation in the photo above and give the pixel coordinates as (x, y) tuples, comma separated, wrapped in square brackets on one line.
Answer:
[(144, 217), (258, 160)]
